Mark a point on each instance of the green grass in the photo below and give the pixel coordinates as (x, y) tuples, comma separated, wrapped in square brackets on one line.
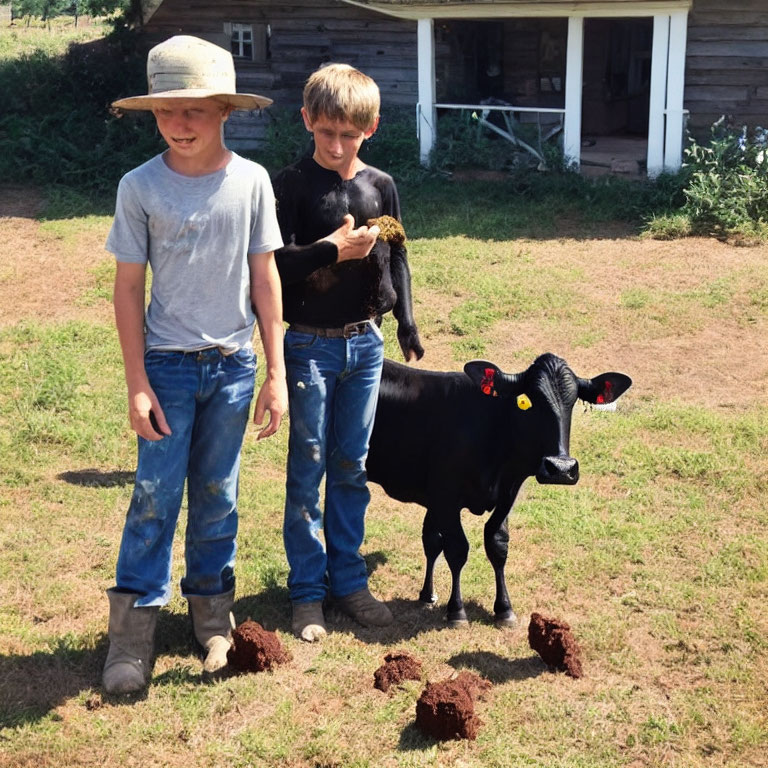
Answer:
[(52, 40), (658, 558)]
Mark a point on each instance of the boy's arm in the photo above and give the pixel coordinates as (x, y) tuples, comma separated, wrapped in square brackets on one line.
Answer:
[(407, 333), (296, 263), (128, 300), (266, 297)]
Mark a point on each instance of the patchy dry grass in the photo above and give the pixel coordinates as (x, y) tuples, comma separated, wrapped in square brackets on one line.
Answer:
[(658, 558)]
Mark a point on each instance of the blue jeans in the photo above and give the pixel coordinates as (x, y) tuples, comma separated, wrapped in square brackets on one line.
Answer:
[(206, 398), (333, 386)]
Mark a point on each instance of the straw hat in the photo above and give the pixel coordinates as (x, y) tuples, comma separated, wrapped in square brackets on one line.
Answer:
[(185, 67)]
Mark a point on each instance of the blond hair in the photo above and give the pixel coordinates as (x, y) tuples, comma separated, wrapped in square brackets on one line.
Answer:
[(341, 92)]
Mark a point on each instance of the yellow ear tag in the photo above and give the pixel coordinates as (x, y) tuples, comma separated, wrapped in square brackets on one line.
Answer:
[(524, 402)]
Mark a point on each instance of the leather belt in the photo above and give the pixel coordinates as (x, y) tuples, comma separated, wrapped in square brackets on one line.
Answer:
[(346, 332)]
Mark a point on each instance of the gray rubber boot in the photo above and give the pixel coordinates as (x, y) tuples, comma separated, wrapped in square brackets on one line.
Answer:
[(131, 642), (213, 627), (308, 622)]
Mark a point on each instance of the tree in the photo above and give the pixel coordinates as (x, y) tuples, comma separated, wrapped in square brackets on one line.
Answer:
[(47, 9), (44, 9)]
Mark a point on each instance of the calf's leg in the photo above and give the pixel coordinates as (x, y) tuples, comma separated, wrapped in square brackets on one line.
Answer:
[(456, 549), (496, 539), (432, 540)]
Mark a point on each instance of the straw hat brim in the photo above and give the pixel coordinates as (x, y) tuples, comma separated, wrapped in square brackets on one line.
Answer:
[(236, 100)]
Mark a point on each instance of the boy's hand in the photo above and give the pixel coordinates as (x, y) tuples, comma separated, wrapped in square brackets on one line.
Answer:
[(353, 243), (146, 415), (272, 397), (410, 344)]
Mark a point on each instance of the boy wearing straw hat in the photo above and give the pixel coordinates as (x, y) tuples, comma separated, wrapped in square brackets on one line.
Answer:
[(204, 219)]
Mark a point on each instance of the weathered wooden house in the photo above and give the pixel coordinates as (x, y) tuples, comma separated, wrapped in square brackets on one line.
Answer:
[(645, 68)]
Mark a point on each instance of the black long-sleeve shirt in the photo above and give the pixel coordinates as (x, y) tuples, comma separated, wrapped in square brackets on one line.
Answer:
[(318, 290)]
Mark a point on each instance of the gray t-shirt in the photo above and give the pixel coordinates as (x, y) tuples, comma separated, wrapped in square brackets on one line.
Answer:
[(196, 233)]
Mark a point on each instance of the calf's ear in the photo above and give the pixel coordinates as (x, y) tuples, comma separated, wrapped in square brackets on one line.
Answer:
[(490, 379), (604, 388)]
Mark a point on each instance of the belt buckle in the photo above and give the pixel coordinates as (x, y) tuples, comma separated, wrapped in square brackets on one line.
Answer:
[(355, 329)]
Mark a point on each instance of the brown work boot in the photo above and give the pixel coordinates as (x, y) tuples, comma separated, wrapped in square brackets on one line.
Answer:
[(365, 609), (308, 622)]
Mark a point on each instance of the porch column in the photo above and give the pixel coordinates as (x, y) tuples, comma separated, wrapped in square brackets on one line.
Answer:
[(426, 128), (573, 87), (658, 97), (678, 35)]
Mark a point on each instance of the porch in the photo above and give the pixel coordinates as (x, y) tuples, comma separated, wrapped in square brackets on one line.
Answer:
[(606, 68)]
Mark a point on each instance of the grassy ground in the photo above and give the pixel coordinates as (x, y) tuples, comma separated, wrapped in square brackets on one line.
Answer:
[(658, 558), (50, 39)]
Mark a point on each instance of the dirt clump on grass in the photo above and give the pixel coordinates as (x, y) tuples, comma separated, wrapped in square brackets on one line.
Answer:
[(398, 666), (255, 649), (554, 642), (446, 710)]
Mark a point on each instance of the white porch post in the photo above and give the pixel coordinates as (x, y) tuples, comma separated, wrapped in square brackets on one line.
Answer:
[(426, 128), (658, 97), (678, 35), (573, 87)]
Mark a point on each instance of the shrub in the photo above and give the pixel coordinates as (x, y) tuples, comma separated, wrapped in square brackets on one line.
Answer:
[(57, 129), (668, 226), (286, 139), (727, 191), (394, 147)]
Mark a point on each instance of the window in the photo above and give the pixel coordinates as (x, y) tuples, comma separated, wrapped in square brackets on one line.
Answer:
[(242, 41), (248, 42)]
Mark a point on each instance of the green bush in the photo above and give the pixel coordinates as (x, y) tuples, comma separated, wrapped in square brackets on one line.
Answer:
[(727, 189), (56, 127), (394, 147), (286, 140)]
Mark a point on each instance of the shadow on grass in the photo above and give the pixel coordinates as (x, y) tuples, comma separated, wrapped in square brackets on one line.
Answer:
[(95, 478), (496, 668), (412, 617), (271, 606), (412, 739), (33, 685)]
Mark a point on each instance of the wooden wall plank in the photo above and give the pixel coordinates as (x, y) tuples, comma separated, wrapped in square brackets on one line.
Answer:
[(726, 61)]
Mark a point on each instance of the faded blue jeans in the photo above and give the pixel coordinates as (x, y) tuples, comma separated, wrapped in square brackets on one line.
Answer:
[(206, 398), (333, 386)]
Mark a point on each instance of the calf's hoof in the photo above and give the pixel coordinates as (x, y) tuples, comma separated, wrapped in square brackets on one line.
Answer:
[(506, 620), (428, 598), (457, 619)]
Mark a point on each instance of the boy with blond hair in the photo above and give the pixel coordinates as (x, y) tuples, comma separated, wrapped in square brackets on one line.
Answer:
[(338, 281), (204, 219)]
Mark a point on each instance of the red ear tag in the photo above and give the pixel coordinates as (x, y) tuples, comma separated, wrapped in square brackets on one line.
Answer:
[(486, 385), (607, 396)]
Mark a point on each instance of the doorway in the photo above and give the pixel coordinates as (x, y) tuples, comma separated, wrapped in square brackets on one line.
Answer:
[(616, 95)]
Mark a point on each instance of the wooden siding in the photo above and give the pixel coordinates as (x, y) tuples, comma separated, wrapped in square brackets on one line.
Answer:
[(726, 66), (304, 35)]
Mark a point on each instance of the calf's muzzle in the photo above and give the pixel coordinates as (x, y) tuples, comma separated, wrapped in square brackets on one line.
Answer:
[(558, 470)]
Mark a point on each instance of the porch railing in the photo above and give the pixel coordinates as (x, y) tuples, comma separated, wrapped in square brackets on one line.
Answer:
[(512, 124)]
